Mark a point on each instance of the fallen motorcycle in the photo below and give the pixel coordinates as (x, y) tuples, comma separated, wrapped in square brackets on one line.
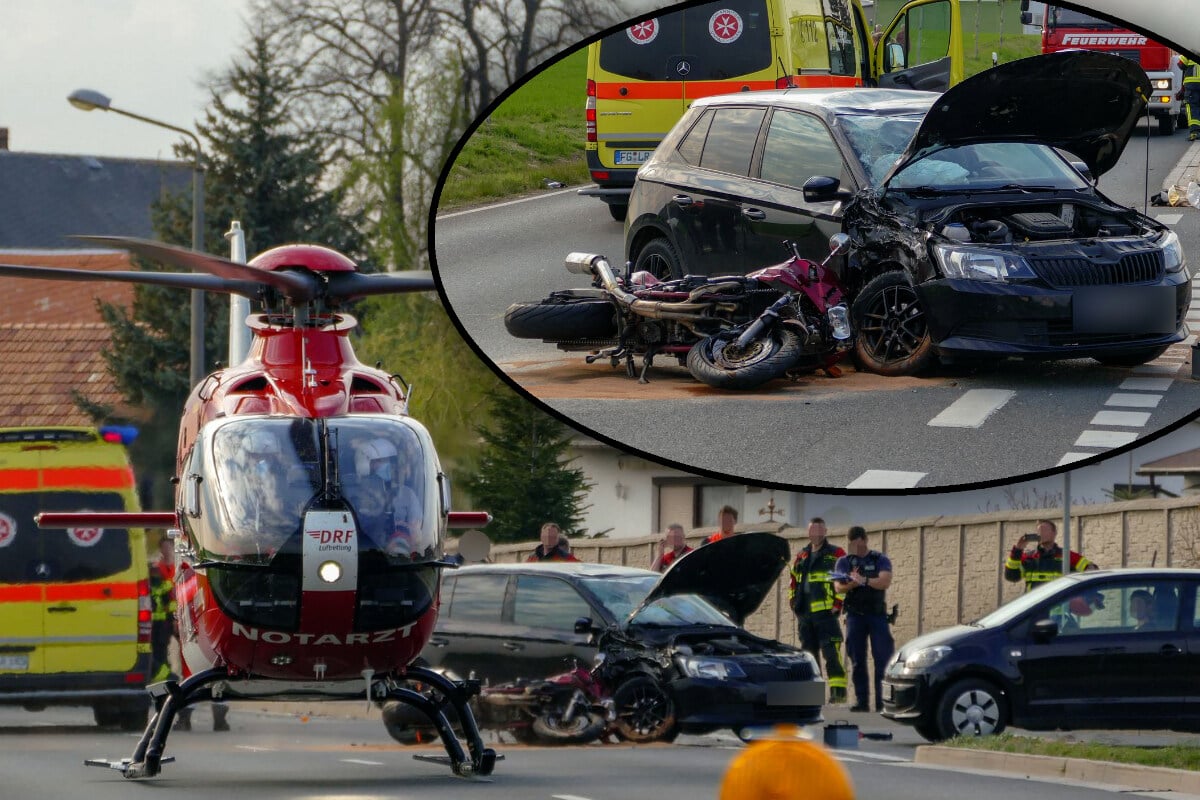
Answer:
[(731, 331), (571, 708)]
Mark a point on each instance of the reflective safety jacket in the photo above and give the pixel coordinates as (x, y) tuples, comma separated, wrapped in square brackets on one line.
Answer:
[(162, 593), (811, 589), (1191, 70), (1035, 567), (669, 557)]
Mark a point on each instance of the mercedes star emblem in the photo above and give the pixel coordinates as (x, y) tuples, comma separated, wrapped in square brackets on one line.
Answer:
[(683, 68)]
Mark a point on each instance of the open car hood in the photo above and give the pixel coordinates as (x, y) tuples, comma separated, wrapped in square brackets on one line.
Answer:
[(734, 574), (1086, 103)]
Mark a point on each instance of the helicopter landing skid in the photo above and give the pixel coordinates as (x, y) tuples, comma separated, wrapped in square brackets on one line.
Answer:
[(170, 696), (442, 692)]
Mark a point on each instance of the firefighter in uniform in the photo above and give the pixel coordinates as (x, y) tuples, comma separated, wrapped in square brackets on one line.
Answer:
[(816, 605), (1043, 563), (1191, 95)]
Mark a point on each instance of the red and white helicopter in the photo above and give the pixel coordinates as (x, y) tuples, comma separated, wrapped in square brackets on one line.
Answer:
[(310, 508)]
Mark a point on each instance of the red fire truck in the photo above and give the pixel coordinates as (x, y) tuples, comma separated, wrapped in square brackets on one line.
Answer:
[(1065, 29)]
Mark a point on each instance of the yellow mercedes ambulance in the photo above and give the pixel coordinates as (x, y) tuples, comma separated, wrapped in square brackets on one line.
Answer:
[(74, 603), (641, 79)]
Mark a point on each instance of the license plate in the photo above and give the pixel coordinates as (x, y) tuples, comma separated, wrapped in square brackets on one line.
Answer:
[(796, 693), (14, 663), (1147, 310), (626, 157)]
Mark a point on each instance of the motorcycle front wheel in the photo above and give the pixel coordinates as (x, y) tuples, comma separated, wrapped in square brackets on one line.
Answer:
[(720, 363), (583, 728), (562, 321)]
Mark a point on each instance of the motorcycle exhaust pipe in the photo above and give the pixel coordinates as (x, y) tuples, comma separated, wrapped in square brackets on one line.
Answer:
[(599, 268)]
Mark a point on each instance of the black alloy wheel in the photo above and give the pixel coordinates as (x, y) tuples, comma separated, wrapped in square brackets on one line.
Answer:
[(645, 712), (891, 329), (659, 258)]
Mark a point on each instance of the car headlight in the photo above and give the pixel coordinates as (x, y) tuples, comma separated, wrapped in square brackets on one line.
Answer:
[(926, 657), (980, 264), (1172, 252), (1161, 83), (710, 668)]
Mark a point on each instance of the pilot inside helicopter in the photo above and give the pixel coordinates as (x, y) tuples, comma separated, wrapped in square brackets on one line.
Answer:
[(384, 494)]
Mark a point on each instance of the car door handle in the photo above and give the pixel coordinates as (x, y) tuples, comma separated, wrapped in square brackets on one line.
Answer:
[(61, 609), (755, 214), (682, 200), (512, 647), (437, 642), (1169, 650)]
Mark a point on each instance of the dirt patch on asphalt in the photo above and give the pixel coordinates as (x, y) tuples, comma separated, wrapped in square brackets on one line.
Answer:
[(574, 379)]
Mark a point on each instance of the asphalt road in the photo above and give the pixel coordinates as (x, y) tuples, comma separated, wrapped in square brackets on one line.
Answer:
[(958, 426), (292, 757)]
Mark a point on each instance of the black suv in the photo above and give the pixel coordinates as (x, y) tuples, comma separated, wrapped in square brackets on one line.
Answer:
[(1110, 649), (672, 642), (975, 227)]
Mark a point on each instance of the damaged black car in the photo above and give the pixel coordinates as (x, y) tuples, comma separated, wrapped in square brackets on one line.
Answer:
[(976, 224), (674, 657)]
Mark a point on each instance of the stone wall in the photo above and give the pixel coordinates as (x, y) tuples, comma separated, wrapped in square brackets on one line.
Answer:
[(949, 570)]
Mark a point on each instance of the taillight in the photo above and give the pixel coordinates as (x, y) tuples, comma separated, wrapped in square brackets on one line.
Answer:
[(599, 175), (590, 110), (144, 612), (136, 678)]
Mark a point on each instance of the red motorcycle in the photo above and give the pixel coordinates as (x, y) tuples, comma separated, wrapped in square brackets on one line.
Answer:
[(570, 708), (732, 331)]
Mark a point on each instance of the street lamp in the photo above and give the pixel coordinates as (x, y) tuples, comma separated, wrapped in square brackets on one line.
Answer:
[(89, 100)]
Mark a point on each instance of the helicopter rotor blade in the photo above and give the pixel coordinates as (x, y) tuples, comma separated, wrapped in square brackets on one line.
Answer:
[(295, 286), (208, 283), (355, 284)]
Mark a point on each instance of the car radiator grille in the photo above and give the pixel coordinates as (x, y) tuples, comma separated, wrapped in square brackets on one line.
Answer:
[(768, 669), (1131, 268)]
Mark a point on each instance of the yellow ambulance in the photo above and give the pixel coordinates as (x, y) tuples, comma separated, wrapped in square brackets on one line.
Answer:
[(641, 79), (74, 603)]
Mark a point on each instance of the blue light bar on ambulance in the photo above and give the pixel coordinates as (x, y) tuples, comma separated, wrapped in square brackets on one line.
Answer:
[(119, 434)]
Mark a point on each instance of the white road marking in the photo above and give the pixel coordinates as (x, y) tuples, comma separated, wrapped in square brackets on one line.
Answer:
[(1125, 419), (569, 797), (1133, 400), (1105, 439), (362, 761), (1071, 458), (441, 217), (886, 479), (254, 749), (1168, 219), (973, 408), (877, 756), (1146, 384)]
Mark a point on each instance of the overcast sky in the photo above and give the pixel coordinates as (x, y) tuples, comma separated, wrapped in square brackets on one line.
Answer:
[(149, 56)]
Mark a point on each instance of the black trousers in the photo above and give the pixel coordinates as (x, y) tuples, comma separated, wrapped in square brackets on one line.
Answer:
[(821, 635)]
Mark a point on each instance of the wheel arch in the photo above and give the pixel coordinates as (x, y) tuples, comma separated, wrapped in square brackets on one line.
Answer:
[(642, 235)]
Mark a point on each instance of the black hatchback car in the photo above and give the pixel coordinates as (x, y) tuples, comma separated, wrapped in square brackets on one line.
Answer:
[(672, 643), (976, 228), (1110, 649)]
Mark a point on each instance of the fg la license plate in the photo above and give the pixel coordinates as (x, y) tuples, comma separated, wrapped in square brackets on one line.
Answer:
[(625, 158), (14, 663)]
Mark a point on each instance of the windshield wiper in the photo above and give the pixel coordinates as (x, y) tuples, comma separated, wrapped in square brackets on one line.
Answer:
[(1019, 187)]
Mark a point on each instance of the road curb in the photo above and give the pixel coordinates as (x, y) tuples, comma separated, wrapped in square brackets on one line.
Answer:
[(1187, 169), (1161, 779)]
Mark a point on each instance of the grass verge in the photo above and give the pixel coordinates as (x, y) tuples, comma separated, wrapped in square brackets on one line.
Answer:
[(1177, 756)]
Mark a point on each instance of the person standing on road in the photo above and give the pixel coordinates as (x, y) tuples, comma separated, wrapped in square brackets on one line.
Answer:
[(1191, 95), (671, 548), (817, 605), (1041, 563), (726, 519), (868, 574), (550, 548)]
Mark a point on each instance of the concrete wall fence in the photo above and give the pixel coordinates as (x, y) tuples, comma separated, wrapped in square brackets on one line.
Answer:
[(949, 570)]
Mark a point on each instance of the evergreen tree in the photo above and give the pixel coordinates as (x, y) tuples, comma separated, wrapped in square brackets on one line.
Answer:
[(259, 170), (524, 477)]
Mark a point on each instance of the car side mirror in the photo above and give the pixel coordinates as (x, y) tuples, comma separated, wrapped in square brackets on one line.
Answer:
[(1026, 17), (584, 625), (894, 56), (1044, 630), (823, 189)]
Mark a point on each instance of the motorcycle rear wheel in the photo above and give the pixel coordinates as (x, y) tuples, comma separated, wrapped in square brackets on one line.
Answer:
[(714, 361), (559, 321), (584, 728)]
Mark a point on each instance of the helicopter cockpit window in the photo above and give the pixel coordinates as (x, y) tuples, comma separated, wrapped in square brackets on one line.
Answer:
[(390, 482), (267, 470)]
